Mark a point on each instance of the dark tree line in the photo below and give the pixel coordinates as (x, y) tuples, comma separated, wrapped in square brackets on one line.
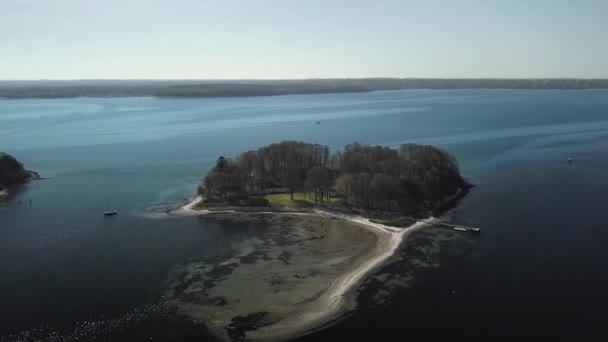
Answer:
[(202, 88), (12, 171), (372, 177), (412, 177), (285, 164)]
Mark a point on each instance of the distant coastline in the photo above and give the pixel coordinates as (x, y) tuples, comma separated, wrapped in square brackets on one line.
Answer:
[(244, 88)]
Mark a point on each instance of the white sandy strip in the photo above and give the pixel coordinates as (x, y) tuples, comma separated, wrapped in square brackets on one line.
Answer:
[(188, 209), (331, 304)]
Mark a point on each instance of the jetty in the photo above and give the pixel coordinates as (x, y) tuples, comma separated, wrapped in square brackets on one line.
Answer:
[(459, 228)]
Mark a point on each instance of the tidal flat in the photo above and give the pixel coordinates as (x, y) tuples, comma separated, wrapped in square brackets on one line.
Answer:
[(280, 271)]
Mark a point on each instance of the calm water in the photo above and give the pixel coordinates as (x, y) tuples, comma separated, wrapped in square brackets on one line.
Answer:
[(538, 268)]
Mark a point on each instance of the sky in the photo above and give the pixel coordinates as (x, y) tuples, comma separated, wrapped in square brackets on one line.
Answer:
[(283, 39)]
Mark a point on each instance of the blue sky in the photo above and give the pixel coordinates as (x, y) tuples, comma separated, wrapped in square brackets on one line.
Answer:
[(203, 39)]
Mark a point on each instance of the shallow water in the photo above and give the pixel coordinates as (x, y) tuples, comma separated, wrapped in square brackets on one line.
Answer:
[(280, 271), (538, 267)]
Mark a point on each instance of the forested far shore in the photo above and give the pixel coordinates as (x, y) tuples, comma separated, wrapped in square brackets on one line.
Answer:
[(409, 180), (227, 88)]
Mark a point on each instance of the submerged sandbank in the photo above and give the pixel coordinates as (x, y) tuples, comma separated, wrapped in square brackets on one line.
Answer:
[(330, 254), (340, 295)]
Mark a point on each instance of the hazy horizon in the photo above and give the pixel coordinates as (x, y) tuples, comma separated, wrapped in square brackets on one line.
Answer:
[(282, 40), (293, 79)]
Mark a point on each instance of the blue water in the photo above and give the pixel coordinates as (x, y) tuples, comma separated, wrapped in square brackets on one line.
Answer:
[(538, 268)]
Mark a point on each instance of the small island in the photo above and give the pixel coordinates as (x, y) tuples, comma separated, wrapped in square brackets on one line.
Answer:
[(331, 220), (12, 173)]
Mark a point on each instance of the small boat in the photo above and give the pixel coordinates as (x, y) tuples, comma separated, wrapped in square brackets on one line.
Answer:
[(109, 212), (318, 122), (570, 159)]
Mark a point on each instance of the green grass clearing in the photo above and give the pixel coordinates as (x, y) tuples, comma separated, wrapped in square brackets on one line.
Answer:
[(284, 200), (300, 200)]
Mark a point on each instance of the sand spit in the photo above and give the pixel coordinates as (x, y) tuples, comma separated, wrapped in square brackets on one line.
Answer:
[(340, 295)]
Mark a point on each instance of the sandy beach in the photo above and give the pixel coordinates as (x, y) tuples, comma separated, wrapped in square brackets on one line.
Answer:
[(334, 302), (188, 209), (339, 296)]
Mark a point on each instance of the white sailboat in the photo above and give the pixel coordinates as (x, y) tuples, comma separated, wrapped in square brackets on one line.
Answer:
[(570, 159)]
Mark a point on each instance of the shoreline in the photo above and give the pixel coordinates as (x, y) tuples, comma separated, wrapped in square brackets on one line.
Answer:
[(341, 293), (6, 190), (334, 303), (244, 88), (188, 209)]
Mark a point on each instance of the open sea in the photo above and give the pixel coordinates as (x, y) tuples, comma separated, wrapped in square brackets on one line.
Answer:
[(538, 269)]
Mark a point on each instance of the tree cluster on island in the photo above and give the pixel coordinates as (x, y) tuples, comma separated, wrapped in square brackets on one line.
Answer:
[(12, 172), (411, 179)]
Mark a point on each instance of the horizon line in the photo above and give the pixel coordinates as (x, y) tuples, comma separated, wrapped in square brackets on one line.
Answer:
[(301, 79)]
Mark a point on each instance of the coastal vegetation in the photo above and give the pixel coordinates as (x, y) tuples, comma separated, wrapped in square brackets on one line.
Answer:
[(410, 180), (12, 172)]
